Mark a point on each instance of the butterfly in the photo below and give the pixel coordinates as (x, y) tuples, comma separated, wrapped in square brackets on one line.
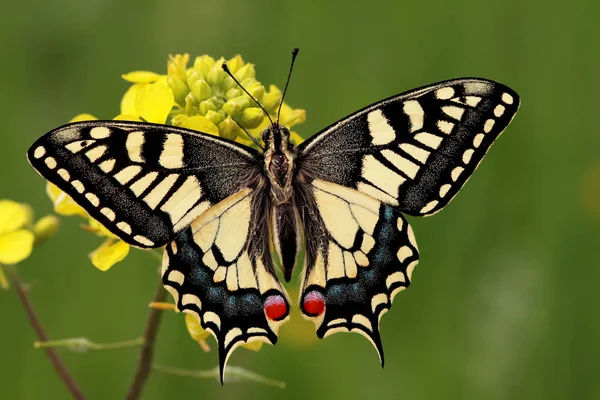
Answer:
[(219, 208)]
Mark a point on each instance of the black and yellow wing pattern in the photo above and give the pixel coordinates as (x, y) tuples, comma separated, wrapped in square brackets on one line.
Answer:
[(360, 253), (220, 269), (144, 182), (408, 154), (416, 150)]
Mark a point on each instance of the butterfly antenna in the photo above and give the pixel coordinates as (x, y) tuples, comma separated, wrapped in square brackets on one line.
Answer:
[(255, 140), (294, 54), (226, 69)]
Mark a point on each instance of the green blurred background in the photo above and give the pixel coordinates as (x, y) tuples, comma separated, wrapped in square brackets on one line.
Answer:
[(503, 303)]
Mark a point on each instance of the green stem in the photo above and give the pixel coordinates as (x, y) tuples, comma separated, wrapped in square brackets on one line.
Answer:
[(144, 365), (55, 359), (85, 344), (231, 373)]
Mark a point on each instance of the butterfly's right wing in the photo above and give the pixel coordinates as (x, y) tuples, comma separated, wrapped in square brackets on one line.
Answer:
[(220, 270), (416, 150), (144, 182)]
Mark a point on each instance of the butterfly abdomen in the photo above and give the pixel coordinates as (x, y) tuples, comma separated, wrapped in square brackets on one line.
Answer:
[(286, 236)]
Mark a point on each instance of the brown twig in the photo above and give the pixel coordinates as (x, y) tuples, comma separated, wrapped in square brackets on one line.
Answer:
[(57, 362), (144, 365)]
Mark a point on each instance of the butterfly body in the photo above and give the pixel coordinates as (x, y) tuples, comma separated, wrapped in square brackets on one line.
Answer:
[(219, 207)]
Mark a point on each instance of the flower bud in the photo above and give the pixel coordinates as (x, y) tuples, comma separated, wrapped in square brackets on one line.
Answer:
[(193, 76), (228, 129), (234, 92), (245, 72), (214, 117), (45, 228), (201, 90), (216, 75), (251, 117), (235, 105), (270, 100), (180, 89), (176, 66), (203, 64), (206, 105), (235, 63)]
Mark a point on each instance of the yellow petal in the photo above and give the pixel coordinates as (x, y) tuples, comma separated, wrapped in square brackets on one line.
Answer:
[(63, 203), (128, 100), (127, 117), (45, 228), (195, 330), (201, 124), (83, 117), (254, 345), (99, 229), (15, 246), (141, 77), (154, 102), (13, 215), (108, 254), (296, 138), (290, 117)]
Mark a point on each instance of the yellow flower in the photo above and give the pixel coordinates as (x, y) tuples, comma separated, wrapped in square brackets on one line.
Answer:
[(16, 242)]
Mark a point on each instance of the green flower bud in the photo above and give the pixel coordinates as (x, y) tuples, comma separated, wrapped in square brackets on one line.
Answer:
[(216, 75), (180, 89), (270, 100), (257, 90), (235, 105), (205, 106), (45, 229), (203, 64), (214, 117), (201, 90), (228, 83), (235, 63), (228, 129), (177, 65), (179, 119), (192, 76), (251, 117), (234, 92), (245, 72)]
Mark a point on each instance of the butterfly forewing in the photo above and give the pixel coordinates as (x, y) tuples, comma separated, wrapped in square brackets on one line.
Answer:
[(415, 150), (144, 182)]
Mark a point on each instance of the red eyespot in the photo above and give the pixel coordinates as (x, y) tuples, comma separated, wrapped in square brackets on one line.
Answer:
[(275, 307), (314, 303)]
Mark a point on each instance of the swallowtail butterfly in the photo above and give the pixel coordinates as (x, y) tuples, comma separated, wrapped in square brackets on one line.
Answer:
[(219, 207)]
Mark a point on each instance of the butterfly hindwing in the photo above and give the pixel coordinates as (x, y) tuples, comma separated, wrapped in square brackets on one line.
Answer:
[(415, 150), (220, 270), (360, 254), (144, 182)]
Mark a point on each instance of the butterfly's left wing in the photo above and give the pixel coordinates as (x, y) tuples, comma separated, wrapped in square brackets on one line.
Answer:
[(360, 253), (416, 150), (220, 270)]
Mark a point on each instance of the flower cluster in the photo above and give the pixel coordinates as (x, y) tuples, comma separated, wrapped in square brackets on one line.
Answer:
[(18, 234)]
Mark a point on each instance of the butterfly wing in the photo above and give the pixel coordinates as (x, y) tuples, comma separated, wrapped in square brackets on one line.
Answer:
[(144, 182), (360, 253), (415, 150), (220, 270)]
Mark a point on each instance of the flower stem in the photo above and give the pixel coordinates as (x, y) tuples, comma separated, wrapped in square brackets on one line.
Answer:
[(232, 374), (57, 362), (144, 365)]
